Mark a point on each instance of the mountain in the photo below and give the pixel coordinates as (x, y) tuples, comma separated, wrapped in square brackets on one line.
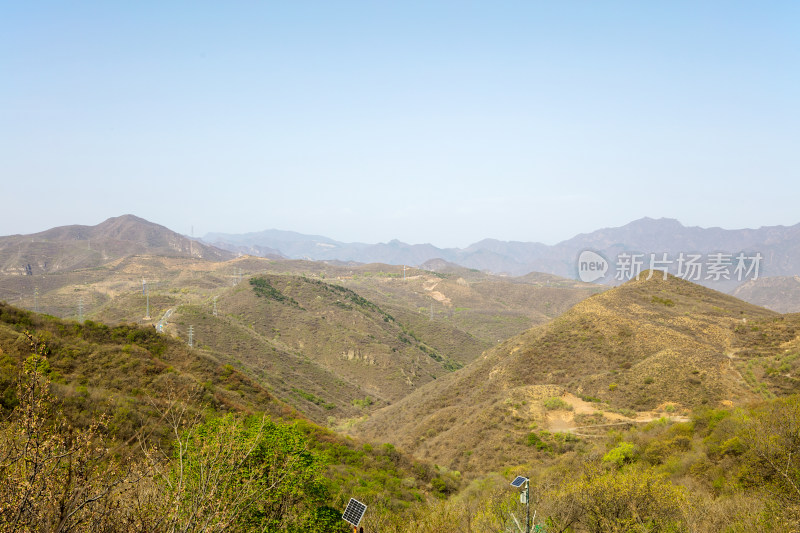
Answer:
[(351, 338), (334, 341), (778, 246), (630, 353), (319, 345), (73, 247), (315, 247), (779, 293)]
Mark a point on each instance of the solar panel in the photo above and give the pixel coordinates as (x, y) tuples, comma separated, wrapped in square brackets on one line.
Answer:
[(354, 512), (518, 481)]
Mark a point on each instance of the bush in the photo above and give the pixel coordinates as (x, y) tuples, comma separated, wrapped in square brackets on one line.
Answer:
[(630, 500), (555, 403), (536, 441), (623, 453)]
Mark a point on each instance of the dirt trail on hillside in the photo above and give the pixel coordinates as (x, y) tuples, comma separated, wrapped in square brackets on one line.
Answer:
[(436, 295), (562, 421)]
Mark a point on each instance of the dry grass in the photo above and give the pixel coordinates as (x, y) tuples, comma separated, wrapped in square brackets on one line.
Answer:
[(625, 348)]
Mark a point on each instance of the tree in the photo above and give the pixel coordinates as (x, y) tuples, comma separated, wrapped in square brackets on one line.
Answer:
[(631, 499), (772, 436), (239, 474), (53, 476)]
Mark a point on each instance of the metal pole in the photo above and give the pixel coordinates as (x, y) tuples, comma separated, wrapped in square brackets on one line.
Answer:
[(527, 507)]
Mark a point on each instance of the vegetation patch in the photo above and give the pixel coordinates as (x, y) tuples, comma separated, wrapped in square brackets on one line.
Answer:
[(663, 301), (556, 404), (533, 439), (313, 399), (262, 288), (363, 403)]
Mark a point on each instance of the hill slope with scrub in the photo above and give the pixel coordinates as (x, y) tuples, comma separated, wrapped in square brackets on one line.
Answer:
[(646, 349)]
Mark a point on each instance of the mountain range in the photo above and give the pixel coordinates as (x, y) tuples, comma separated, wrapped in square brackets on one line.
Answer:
[(334, 340), (777, 246), (473, 374), (772, 282)]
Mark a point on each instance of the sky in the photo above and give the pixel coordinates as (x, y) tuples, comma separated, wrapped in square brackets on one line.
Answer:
[(439, 122)]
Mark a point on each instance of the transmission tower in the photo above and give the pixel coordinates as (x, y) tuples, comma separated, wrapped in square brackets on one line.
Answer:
[(146, 292), (191, 336), (80, 309)]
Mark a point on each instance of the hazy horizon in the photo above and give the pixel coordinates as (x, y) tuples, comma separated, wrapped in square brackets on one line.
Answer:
[(385, 241)]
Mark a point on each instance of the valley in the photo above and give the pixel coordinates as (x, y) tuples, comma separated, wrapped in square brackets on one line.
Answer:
[(440, 377), (335, 341)]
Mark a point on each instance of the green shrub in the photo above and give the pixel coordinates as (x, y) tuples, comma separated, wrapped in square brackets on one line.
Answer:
[(366, 402), (664, 301), (623, 453), (537, 442), (555, 403)]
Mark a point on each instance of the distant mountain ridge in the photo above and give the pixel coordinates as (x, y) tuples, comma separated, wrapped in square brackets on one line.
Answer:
[(774, 250), (779, 247), (77, 246)]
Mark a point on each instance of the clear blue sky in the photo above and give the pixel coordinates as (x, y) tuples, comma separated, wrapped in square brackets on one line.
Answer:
[(442, 122)]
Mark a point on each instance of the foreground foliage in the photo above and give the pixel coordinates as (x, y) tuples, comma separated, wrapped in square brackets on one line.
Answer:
[(230, 473)]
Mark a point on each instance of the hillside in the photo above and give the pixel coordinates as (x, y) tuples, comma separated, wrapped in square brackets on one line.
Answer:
[(318, 345), (633, 352), (74, 247), (450, 304), (356, 337), (779, 293), (326, 367), (120, 369), (133, 375)]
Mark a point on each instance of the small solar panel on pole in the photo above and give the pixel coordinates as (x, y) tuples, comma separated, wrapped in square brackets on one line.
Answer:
[(518, 482), (354, 512)]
